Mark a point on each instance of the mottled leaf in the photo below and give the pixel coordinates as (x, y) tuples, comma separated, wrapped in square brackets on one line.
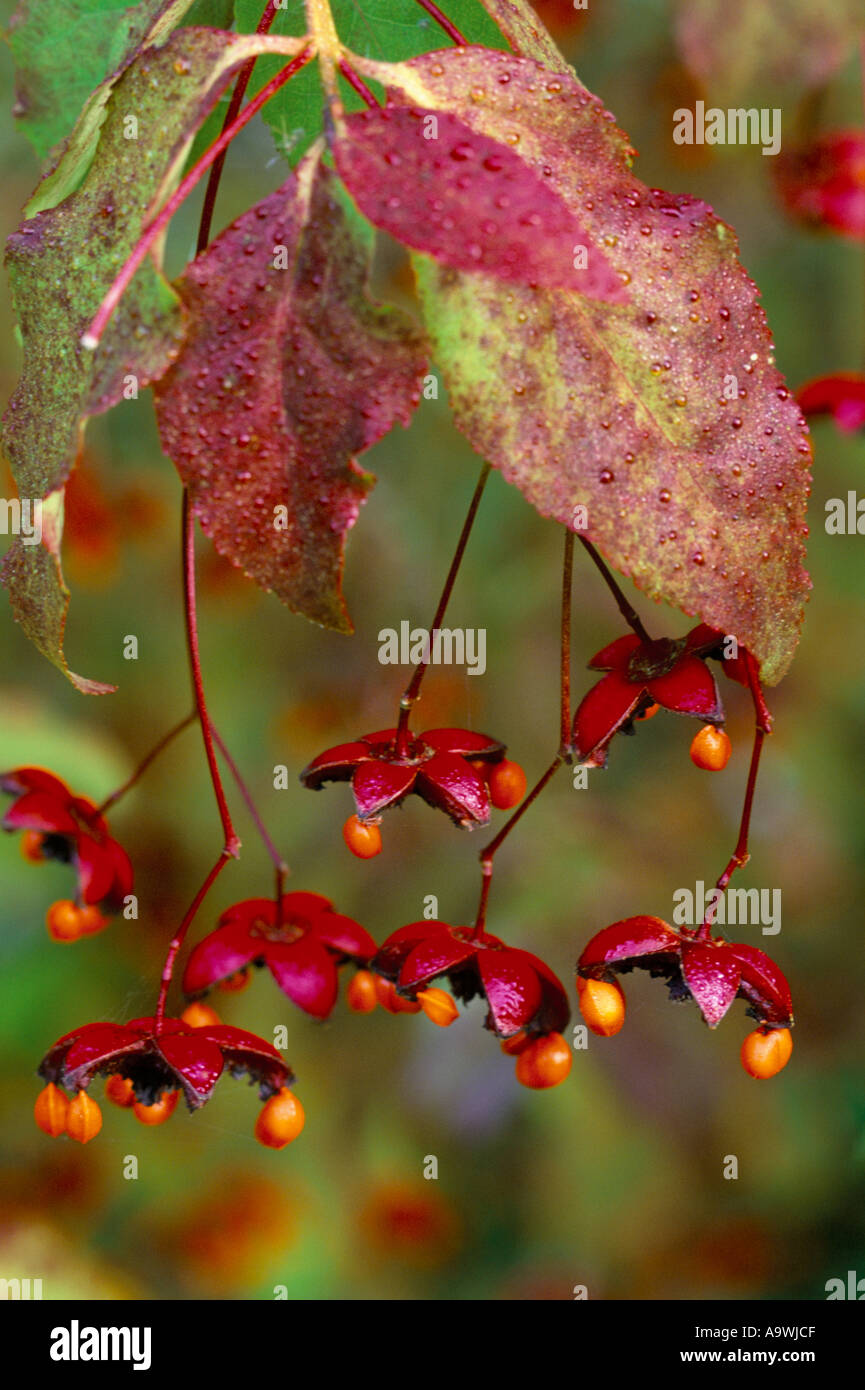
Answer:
[(742, 48), (466, 198), (61, 262), (524, 31), (288, 371), (665, 418), (393, 29)]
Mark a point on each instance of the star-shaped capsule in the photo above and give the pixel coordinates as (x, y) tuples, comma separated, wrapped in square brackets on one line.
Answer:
[(384, 768), (302, 950)]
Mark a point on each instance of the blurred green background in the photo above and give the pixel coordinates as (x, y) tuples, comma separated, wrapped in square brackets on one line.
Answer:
[(615, 1179)]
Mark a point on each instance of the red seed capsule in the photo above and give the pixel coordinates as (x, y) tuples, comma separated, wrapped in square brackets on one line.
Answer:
[(438, 1006), (118, 1089), (545, 1062), (280, 1120), (711, 749), (159, 1112), (63, 920), (50, 1110), (602, 1005), (507, 783), (764, 1054), (83, 1119), (362, 837), (362, 995)]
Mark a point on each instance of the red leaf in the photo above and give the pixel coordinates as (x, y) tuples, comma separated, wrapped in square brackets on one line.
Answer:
[(285, 375), (668, 410), (467, 199)]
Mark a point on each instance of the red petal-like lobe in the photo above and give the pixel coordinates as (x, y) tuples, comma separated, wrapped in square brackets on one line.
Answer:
[(688, 689), (602, 711), (34, 779), (712, 975), (512, 989), (554, 1010), (98, 1042), (305, 972), (247, 1052), (335, 764), (439, 953), (123, 873), (249, 911), (378, 784), (763, 984), (222, 953), (343, 934), (88, 812), (462, 741), (467, 200), (401, 943), (303, 905), (450, 783), (632, 937), (197, 1061), (95, 865), (380, 739), (616, 655), (39, 811)]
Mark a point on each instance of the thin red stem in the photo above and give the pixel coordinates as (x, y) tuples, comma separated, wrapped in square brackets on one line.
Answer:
[(178, 938), (232, 843), (354, 80), (567, 581), (410, 694), (741, 855), (441, 19), (154, 229), (240, 86), (145, 762), (627, 611), (486, 854), (275, 856)]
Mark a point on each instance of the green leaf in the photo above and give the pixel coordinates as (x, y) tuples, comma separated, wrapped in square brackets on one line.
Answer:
[(391, 29), (288, 371), (64, 51), (61, 263), (665, 417)]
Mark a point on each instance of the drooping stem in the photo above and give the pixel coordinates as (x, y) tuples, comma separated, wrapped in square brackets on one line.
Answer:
[(625, 608), (441, 19), (410, 693), (741, 855), (240, 86), (232, 843), (179, 936), (567, 581), (154, 229), (487, 854), (145, 762), (275, 856)]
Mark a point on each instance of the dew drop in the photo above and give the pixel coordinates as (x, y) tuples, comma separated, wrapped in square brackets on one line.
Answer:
[(607, 476)]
